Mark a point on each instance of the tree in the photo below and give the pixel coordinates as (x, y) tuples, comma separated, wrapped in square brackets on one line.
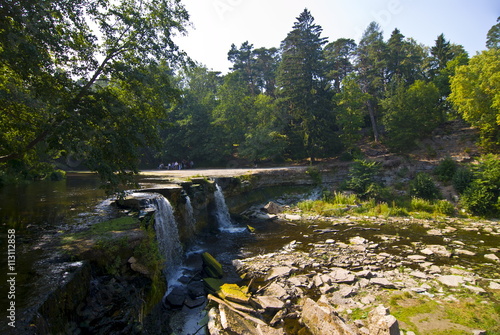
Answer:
[(410, 113), (302, 89), (350, 117), (189, 133), (405, 58), (244, 61), (338, 58), (371, 65), (475, 93), (493, 37), (442, 53), (55, 64)]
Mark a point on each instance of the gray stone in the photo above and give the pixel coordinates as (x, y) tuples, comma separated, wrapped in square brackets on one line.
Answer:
[(451, 280), (492, 257), (321, 320), (464, 252), (382, 282), (339, 275), (382, 323), (436, 250), (279, 271), (268, 302), (273, 208), (494, 286)]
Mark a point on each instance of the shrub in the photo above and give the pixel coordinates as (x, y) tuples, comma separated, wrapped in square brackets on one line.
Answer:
[(445, 207), (57, 175), (423, 187), (480, 199), (446, 169), (462, 179), (361, 175), (421, 205)]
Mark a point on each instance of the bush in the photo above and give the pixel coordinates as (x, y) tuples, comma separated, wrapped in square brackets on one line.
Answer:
[(421, 205), (482, 195), (361, 175), (423, 187), (445, 207), (480, 199), (57, 175), (446, 169), (462, 179)]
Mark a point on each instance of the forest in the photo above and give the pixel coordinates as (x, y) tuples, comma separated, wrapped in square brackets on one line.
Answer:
[(101, 85)]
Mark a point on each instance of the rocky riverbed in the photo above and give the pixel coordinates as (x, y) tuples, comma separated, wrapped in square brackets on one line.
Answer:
[(368, 275)]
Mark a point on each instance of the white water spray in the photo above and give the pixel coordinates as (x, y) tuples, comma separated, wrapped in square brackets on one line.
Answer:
[(167, 235), (222, 213), (189, 217)]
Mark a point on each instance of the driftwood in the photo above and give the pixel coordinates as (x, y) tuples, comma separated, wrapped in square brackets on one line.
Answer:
[(239, 312)]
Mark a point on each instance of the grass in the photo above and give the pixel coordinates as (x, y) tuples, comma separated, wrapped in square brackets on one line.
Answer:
[(338, 204)]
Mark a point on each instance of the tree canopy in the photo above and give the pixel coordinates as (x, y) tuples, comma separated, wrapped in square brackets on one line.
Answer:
[(103, 84)]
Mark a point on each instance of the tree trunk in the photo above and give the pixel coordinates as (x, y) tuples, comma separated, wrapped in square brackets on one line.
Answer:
[(371, 112)]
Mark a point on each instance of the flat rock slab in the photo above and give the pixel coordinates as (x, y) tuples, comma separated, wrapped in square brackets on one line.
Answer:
[(279, 271), (382, 282), (268, 302), (451, 280)]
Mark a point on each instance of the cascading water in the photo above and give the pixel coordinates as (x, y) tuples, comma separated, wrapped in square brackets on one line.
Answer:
[(167, 235), (189, 217), (222, 213)]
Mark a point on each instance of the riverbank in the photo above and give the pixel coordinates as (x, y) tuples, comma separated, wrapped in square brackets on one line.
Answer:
[(432, 276)]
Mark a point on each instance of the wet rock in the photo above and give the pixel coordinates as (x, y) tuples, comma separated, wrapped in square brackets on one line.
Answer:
[(322, 320), (380, 322), (212, 267), (177, 296), (193, 303)]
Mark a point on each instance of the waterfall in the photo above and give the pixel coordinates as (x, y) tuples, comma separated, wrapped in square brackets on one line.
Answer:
[(167, 235), (189, 217), (222, 213)]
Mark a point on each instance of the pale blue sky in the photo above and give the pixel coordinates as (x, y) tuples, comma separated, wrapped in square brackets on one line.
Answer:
[(265, 23)]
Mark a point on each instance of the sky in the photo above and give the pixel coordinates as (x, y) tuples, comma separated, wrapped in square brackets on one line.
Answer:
[(216, 24)]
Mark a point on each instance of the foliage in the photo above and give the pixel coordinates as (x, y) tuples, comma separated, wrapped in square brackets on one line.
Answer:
[(301, 90), (462, 179), (76, 76), (482, 196), (493, 36), (410, 114), (361, 175), (476, 95), (446, 169), (422, 186), (350, 117), (315, 175)]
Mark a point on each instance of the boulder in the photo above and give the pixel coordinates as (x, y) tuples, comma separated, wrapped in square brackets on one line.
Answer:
[(322, 320), (273, 208), (380, 322), (339, 275)]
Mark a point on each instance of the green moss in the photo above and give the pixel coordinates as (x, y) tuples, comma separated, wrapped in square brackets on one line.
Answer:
[(234, 293)]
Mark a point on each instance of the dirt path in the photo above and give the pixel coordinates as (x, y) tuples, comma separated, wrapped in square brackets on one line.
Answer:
[(228, 172)]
